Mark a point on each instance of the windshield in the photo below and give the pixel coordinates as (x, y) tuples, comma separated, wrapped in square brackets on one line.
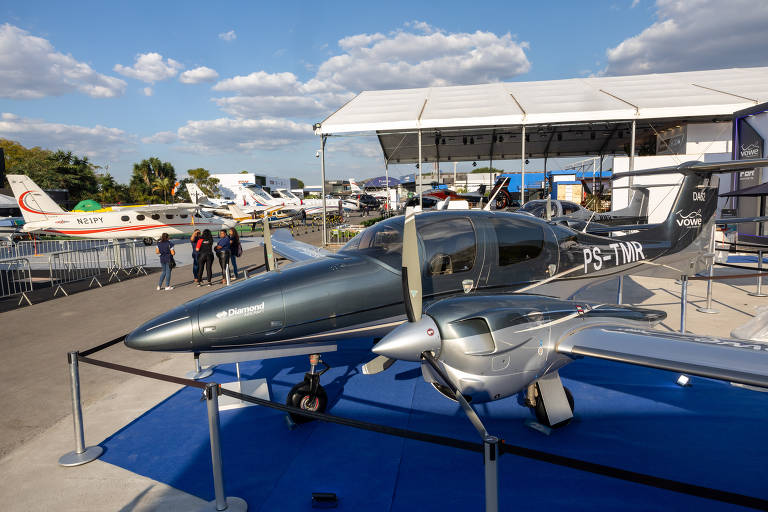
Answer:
[(383, 241), (259, 192), (287, 193)]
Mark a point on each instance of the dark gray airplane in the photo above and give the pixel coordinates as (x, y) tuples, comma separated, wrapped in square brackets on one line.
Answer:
[(483, 299)]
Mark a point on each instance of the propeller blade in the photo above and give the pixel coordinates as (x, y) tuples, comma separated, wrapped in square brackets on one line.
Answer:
[(411, 276), (269, 255), (377, 365)]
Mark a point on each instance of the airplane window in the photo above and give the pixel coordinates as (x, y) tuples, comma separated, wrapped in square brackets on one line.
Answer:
[(450, 245), (125, 218), (537, 209), (169, 216), (183, 215), (518, 241), (569, 208), (206, 215), (383, 241), (155, 216), (140, 217)]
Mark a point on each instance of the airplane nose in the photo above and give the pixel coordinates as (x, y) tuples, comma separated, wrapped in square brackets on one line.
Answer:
[(170, 331), (409, 340)]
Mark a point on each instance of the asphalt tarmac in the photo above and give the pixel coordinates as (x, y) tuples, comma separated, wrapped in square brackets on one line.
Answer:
[(36, 427)]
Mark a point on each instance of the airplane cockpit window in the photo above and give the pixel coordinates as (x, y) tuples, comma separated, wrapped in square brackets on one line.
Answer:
[(383, 241), (536, 208), (287, 193), (569, 208), (260, 193), (518, 241), (206, 215), (450, 245)]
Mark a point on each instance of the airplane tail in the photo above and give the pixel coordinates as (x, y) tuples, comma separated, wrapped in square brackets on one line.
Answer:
[(694, 207), (237, 213), (195, 194), (638, 204), (353, 186), (35, 204)]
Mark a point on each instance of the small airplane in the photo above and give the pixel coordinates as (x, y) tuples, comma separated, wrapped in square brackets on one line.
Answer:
[(43, 215), (553, 209), (484, 300)]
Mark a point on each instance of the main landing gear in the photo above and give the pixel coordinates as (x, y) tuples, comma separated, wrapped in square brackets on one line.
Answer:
[(309, 394), (551, 402)]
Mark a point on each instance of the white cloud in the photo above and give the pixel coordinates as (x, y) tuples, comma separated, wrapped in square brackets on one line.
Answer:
[(242, 135), (694, 35), (150, 68), (255, 107), (30, 67), (198, 75), (228, 36), (160, 138), (426, 56), (147, 91), (98, 142), (261, 83)]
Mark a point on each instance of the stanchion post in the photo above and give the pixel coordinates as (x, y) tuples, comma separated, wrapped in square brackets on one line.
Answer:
[(81, 455), (683, 301), (491, 451), (708, 308), (759, 291), (620, 292), (222, 502), (226, 273)]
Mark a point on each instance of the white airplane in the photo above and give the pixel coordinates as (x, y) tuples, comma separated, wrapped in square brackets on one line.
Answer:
[(312, 207), (215, 205), (354, 187), (43, 215)]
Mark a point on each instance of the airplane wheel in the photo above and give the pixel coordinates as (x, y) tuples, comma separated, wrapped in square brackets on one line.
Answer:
[(148, 241), (541, 412), (502, 200), (299, 397)]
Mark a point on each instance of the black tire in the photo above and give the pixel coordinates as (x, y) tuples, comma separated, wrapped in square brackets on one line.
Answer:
[(299, 397), (541, 411), (503, 200)]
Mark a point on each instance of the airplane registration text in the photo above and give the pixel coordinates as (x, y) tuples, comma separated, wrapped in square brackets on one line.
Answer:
[(620, 253)]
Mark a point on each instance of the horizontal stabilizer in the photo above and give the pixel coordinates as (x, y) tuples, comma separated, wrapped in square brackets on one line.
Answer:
[(744, 362), (286, 246), (698, 167)]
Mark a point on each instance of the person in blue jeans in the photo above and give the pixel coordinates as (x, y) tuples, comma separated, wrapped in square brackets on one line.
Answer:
[(223, 252), (166, 252), (234, 249), (193, 240)]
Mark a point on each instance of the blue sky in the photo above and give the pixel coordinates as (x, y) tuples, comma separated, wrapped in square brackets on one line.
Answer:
[(236, 85)]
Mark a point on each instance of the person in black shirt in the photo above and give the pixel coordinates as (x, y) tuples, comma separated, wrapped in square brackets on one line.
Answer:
[(193, 240), (204, 256)]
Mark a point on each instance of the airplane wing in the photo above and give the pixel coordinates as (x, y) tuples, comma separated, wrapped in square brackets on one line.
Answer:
[(286, 246), (744, 362)]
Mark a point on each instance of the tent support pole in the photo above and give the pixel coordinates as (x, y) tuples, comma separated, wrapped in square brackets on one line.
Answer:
[(421, 183), (322, 179), (386, 176), (522, 168), (631, 161)]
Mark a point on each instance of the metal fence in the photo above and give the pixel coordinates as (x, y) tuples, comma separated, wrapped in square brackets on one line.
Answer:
[(16, 279), (71, 266), (31, 248)]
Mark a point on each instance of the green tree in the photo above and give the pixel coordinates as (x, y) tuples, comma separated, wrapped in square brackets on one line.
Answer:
[(481, 170), (202, 178), (75, 174), (163, 185), (109, 191), (300, 183), (144, 175), (33, 162)]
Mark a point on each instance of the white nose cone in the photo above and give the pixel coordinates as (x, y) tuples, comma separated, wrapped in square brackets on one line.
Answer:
[(409, 340)]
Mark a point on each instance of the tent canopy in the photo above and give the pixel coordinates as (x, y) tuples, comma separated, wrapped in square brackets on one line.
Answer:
[(381, 182), (573, 117)]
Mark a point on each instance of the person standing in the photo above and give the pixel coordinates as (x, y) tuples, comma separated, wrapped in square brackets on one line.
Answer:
[(165, 250), (223, 251), (235, 249), (204, 256), (193, 240)]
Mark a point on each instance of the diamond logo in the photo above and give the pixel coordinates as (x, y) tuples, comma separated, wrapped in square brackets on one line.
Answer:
[(221, 314)]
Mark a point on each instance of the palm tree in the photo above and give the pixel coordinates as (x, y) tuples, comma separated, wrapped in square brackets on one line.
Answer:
[(163, 184)]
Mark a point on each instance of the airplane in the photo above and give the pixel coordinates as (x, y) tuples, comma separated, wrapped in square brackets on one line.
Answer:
[(554, 209), (43, 215), (483, 299)]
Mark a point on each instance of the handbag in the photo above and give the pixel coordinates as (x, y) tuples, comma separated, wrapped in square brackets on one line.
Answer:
[(172, 263), (239, 250)]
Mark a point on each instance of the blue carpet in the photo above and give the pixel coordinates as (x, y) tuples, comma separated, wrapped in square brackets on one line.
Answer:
[(710, 434)]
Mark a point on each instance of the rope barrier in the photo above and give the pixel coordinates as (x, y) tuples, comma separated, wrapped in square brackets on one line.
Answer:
[(107, 344), (740, 267), (551, 458), (744, 244)]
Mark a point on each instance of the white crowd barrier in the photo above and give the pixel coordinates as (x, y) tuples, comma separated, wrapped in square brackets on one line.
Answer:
[(16, 279)]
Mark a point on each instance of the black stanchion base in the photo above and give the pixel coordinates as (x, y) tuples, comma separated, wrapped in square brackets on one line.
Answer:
[(78, 459)]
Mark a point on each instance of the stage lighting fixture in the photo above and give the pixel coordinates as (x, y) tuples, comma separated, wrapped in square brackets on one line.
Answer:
[(471, 140), (683, 381), (474, 164)]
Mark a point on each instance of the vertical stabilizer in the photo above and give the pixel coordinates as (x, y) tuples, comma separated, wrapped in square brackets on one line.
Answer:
[(195, 194), (35, 204)]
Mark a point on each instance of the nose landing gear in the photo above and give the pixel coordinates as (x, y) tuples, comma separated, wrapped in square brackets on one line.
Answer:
[(309, 394)]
